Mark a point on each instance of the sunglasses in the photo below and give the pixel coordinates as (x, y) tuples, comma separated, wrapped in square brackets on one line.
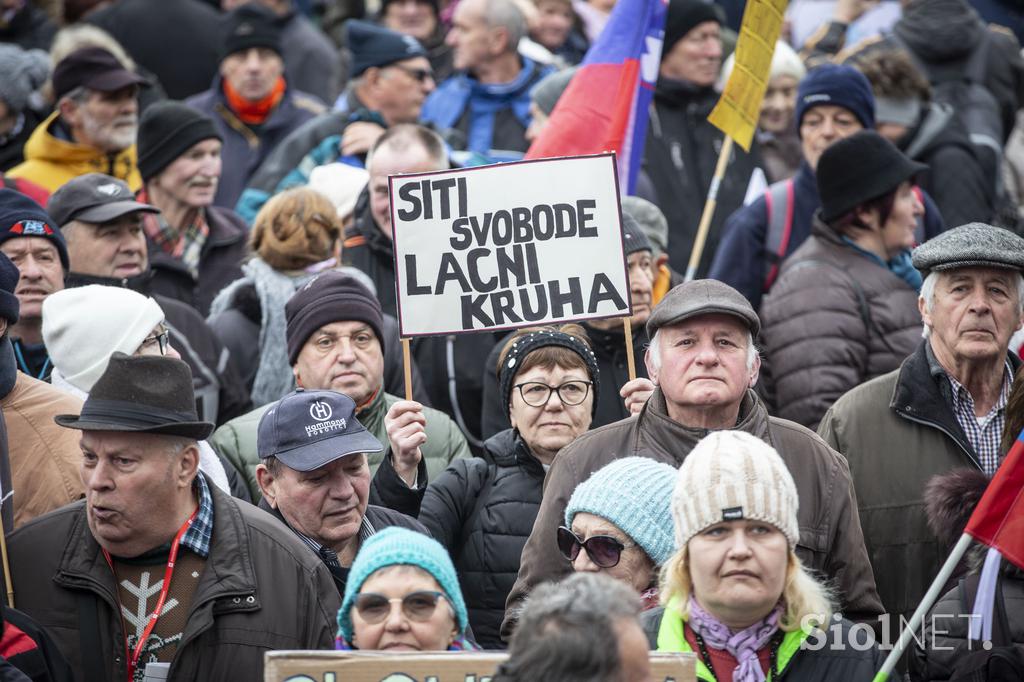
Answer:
[(419, 75), (604, 550), (417, 606)]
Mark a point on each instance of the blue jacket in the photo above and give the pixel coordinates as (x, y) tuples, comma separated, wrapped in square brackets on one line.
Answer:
[(743, 262), (491, 117), (246, 147)]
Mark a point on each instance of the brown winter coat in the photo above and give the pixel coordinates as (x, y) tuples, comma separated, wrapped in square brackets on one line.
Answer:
[(897, 431), (261, 589), (44, 456), (830, 535), (833, 320)]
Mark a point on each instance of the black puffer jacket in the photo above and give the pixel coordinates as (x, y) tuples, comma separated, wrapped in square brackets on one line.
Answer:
[(482, 511)]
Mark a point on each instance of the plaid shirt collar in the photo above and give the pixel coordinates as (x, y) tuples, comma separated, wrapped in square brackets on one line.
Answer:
[(199, 534), (984, 433), (329, 556)]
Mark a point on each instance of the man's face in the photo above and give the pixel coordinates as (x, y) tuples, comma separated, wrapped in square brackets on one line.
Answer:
[(108, 121), (344, 357), (470, 37), (703, 362), (41, 272), (821, 126), (415, 18), (554, 21), (974, 313), (252, 73), (326, 504), (191, 179), (402, 88), (131, 482), (696, 57), (113, 249), (641, 285), (384, 162)]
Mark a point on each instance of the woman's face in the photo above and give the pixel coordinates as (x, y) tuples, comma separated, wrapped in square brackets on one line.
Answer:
[(738, 570), (778, 104), (898, 231), (397, 632), (635, 568), (553, 425)]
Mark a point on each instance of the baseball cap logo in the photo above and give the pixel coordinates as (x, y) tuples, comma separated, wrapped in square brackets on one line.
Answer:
[(110, 189), (320, 411), (31, 227)]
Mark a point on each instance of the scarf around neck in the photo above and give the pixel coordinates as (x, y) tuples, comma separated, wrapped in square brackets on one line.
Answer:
[(254, 113), (743, 645)]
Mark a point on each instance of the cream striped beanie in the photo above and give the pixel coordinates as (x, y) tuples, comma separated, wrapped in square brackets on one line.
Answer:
[(731, 475)]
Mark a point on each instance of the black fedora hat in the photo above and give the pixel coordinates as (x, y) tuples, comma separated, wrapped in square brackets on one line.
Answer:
[(142, 394)]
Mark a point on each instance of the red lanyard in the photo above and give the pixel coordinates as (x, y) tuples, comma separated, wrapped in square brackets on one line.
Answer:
[(133, 659)]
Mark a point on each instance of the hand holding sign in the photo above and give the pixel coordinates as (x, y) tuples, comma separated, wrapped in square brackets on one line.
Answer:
[(406, 429), (635, 394)]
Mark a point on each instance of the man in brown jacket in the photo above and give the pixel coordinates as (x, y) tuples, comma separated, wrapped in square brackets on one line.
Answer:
[(703, 363), (223, 581)]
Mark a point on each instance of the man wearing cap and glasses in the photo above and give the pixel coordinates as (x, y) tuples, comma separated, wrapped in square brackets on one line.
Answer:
[(154, 537), (945, 407), (102, 226), (94, 125), (315, 476), (703, 365)]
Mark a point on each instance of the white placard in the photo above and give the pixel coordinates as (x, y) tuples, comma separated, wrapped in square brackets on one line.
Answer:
[(508, 245)]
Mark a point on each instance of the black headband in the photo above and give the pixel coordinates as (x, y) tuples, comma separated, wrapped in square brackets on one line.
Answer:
[(528, 343)]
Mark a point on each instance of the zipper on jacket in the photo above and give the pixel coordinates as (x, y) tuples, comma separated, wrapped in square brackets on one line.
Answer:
[(934, 425)]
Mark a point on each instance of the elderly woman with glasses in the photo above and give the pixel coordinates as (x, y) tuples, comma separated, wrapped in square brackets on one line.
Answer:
[(735, 591), (483, 509), (402, 594), (618, 522)]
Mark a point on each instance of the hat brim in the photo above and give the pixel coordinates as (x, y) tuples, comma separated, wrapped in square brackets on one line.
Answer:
[(972, 263), (323, 452), (112, 81), (107, 212), (754, 325), (196, 430)]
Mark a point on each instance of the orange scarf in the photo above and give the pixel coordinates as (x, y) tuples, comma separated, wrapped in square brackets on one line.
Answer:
[(254, 113)]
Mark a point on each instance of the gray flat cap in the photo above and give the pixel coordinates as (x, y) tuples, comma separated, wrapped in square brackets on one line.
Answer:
[(971, 245), (701, 297), (652, 221)]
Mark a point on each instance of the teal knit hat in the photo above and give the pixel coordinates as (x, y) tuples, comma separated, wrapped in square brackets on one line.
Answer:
[(635, 494), (400, 546)]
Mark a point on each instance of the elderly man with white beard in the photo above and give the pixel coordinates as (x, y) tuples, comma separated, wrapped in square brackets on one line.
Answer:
[(94, 126)]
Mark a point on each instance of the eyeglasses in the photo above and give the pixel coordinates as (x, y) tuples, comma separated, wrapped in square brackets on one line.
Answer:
[(419, 75), (162, 338), (603, 550), (537, 394), (417, 606)]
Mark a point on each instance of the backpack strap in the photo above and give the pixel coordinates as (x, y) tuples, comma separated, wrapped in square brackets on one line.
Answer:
[(779, 200)]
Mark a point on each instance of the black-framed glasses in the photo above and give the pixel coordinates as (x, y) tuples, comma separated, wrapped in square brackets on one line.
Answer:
[(537, 394), (417, 606), (163, 339), (604, 550), (419, 75)]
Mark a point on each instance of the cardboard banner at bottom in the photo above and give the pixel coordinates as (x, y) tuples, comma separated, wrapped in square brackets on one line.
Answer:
[(353, 666)]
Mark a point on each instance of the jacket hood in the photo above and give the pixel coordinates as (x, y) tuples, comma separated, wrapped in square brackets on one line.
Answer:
[(939, 30), (938, 127)]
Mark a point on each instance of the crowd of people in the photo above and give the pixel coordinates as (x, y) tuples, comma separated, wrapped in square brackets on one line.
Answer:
[(213, 446)]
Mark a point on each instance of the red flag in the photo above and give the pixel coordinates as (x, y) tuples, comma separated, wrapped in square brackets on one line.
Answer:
[(998, 520)]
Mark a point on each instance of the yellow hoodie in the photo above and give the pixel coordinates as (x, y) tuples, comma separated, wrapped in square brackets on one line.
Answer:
[(50, 162)]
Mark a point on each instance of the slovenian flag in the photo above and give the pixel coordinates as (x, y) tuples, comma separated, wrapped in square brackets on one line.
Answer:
[(605, 107)]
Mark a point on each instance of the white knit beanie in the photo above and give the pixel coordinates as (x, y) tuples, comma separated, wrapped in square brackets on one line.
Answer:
[(82, 327), (732, 475), (340, 183)]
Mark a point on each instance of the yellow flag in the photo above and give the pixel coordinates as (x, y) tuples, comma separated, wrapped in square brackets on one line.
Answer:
[(738, 109)]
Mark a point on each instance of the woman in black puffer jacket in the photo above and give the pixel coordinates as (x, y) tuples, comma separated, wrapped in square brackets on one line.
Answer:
[(482, 509)]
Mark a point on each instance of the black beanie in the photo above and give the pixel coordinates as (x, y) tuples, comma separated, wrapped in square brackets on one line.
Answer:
[(684, 15), (167, 130), (22, 217), (250, 26), (373, 45), (329, 297), (860, 168), (9, 277)]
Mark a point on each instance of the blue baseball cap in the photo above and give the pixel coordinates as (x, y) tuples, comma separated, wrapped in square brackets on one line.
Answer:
[(309, 429)]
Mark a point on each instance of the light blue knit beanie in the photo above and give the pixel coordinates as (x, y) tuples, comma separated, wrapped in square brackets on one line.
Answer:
[(399, 546), (634, 493)]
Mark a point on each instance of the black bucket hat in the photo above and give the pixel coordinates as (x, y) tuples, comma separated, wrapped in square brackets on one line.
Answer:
[(141, 394)]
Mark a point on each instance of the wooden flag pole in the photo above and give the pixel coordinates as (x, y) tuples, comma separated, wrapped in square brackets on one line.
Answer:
[(709, 209), (627, 327), (7, 569), (407, 366)]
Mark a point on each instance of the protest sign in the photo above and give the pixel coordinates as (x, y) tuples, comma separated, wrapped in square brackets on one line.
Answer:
[(360, 666), (508, 245)]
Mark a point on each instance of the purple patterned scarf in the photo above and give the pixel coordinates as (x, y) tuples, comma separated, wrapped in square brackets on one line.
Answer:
[(743, 645)]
